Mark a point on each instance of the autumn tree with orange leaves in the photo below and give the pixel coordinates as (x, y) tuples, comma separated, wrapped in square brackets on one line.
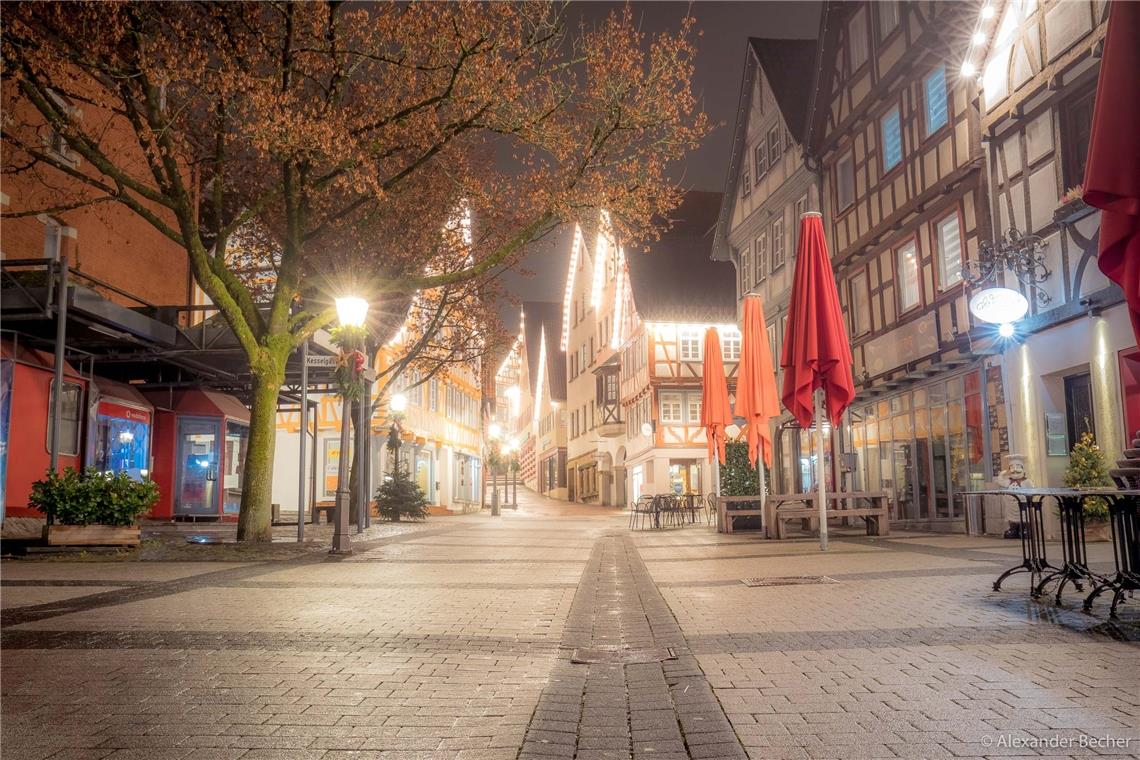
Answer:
[(331, 126)]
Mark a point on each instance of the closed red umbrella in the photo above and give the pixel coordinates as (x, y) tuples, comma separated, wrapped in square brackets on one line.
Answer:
[(817, 355), (756, 399), (716, 414), (1112, 173)]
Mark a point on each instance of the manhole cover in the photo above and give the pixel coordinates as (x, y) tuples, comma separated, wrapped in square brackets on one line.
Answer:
[(622, 655), (788, 580)]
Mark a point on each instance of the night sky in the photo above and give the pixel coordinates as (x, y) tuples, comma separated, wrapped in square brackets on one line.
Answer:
[(726, 26)]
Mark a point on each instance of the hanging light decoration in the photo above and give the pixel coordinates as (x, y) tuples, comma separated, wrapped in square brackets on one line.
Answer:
[(1021, 255)]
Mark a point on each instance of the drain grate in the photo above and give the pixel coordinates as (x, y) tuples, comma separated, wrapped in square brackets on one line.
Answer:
[(788, 580), (621, 655)]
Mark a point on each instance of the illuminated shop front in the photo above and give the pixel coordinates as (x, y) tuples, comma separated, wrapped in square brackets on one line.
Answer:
[(925, 447), (119, 437)]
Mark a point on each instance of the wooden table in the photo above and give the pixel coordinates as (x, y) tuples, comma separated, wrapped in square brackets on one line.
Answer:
[(782, 507)]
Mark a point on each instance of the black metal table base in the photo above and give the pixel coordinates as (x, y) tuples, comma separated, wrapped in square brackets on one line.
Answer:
[(1122, 515), (1033, 559)]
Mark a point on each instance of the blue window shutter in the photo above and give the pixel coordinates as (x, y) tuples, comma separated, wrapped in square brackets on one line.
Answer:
[(935, 90), (892, 140)]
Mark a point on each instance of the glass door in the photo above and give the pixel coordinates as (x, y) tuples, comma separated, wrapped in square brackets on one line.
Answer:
[(197, 492)]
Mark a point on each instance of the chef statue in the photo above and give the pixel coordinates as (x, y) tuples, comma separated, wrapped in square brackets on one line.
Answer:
[(1013, 476)]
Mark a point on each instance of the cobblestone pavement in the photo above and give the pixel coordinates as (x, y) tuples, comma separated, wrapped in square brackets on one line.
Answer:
[(555, 632)]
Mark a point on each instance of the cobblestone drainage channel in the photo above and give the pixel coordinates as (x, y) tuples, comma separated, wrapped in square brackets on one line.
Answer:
[(622, 655), (788, 580)]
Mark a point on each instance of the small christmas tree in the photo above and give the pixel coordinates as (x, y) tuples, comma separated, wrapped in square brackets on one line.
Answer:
[(1087, 469), (400, 496), (738, 476)]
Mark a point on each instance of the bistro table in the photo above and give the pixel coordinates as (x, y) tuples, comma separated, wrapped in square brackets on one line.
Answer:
[(1122, 505)]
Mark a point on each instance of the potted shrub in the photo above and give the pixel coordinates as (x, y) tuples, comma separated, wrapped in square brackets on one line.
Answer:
[(92, 508), (1087, 469)]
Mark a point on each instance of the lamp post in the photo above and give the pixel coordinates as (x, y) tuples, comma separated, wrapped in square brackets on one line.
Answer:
[(513, 467), (351, 312), (493, 432)]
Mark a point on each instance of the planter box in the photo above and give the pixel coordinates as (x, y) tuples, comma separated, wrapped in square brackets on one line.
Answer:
[(91, 535), (1072, 211)]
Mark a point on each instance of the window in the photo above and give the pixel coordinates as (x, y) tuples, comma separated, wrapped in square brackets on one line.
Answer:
[(690, 339), (934, 90), (845, 182), (798, 211), (53, 238), (857, 39), (778, 243), (860, 318), (433, 395), (760, 159), (694, 408), (772, 343), (761, 256), (1076, 130), (745, 183), (671, 408), (774, 147), (888, 17), (906, 264), (730, 345), (892, 140), (69, 426), (949, 251), (745, 255)]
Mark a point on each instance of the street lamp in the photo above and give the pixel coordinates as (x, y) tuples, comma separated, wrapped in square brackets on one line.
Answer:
[(351, 311), (493, 432)]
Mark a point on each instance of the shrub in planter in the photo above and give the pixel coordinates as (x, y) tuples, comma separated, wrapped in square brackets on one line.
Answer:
[(93, 498)]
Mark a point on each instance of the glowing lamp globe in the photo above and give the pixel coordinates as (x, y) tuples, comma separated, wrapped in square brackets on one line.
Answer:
[(999, 305), (351, 311), (399, 403), (1005, 330), (494, 430)]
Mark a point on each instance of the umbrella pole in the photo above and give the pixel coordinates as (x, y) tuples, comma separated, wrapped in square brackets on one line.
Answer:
[(760, 479), (820, 471)]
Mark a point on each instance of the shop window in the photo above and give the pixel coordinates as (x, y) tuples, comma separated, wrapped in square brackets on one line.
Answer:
[(949, 234), (934, 89), (892, 140), (684, 476), (845, 182), (69, 427), (857, 43), (906, 282), (237, 439), (122, 445)]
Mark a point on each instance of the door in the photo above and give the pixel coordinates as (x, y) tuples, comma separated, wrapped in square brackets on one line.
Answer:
[(1079, 406), (197, 492)]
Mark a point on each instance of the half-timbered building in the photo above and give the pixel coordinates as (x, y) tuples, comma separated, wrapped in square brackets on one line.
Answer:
[(541, 427), (894, 133), (674, 293), (1074, 366), (590, 321)]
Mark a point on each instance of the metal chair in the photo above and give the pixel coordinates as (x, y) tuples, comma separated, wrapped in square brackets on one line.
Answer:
[(640, 509)]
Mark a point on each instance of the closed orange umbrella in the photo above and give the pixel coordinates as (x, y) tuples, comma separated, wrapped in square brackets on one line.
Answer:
[(716, 413), (756, 398)]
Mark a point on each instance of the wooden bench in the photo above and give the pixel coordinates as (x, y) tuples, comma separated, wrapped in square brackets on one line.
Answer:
[(725, 517), (876, 516), (327, 508)]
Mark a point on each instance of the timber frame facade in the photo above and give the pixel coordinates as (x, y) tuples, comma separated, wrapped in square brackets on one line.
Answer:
[(1076, 364)]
